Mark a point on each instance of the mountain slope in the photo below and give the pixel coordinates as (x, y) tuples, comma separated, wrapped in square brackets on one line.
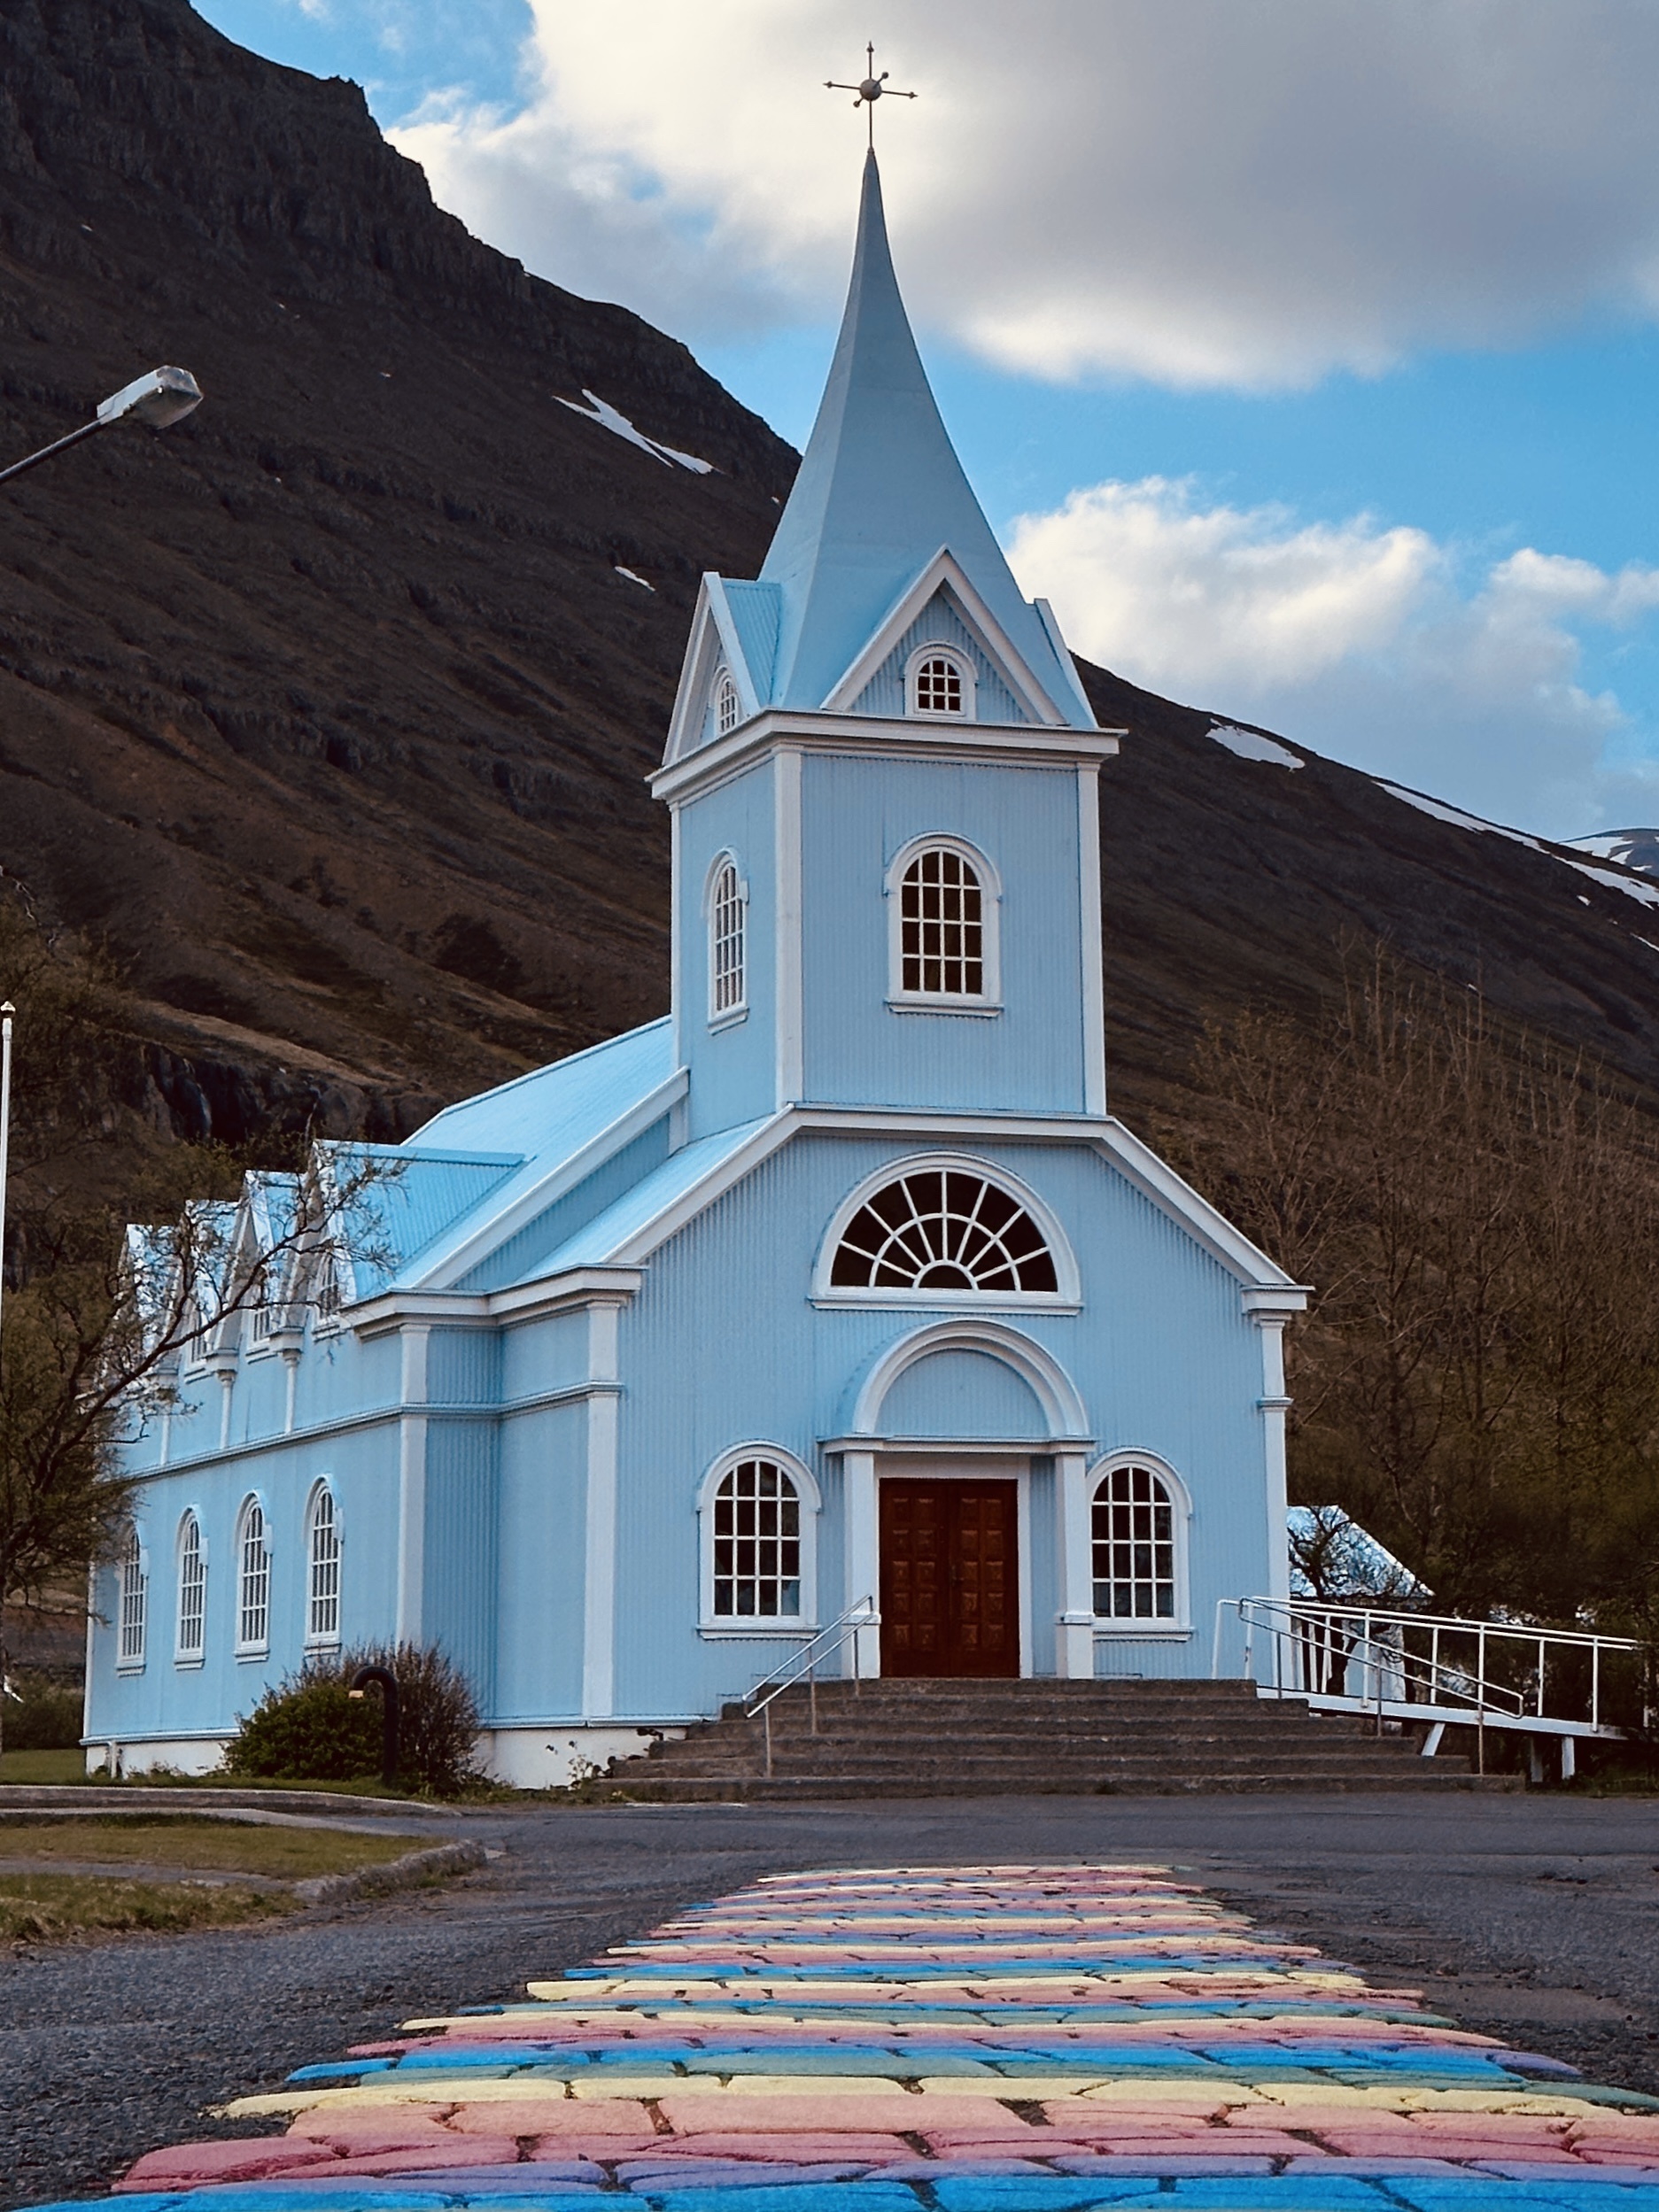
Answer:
[(329, 710)]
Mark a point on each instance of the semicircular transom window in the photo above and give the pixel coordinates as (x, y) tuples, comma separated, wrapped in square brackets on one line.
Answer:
[(944, 1230)]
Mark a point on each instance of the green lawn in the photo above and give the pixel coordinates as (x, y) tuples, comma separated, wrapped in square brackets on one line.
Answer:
[(194, 1842), (53, 1908), (69, 1765)]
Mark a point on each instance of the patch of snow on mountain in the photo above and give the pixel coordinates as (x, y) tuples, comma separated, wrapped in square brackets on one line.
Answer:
[(1647, 892), (631, 578), (1250, 746), (1456, 817), (1631, 848), (609, 418)]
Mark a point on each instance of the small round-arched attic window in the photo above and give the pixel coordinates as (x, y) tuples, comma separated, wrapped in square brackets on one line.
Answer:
[(937, 686), (728, 710)]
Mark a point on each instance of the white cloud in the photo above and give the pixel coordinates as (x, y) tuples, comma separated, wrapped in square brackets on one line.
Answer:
[(1199, 191), (1372, 645)]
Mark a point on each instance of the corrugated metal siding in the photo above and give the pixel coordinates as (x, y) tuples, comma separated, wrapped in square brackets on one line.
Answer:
[(756, 611), (540, 1550), (554, 1111), (858, 815), (732, 1068), (520, 1258), (940, 622), (1149, 1662), (459, 1597), (398, 1218), (463, 1367), (549, 1354), (962, 1394)]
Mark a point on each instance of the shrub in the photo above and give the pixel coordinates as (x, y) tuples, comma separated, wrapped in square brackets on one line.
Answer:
[(44, 1716), (309, 1729)]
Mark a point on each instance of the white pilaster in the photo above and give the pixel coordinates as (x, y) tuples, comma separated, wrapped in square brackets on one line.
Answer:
[(412, 1427), (1074, 1624), (859, 1492), (599, 1610), (1093, 979), (1276, 1408), (791, 1049)]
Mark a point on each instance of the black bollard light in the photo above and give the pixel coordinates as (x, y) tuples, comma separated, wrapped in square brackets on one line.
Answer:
[(388, 1683)]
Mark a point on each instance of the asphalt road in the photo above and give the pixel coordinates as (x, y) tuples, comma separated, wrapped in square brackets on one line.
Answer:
[(1534, 1917)]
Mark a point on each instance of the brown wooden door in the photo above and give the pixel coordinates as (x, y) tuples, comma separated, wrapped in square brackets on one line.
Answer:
[(950, 1578)]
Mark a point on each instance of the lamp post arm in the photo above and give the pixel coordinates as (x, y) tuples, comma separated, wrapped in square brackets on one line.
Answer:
[(86, 429)]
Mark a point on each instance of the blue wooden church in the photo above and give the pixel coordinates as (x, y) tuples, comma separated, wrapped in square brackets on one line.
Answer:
[(839, 1282)]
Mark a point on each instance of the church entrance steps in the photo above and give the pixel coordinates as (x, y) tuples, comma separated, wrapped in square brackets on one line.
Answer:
[(955, 1737)]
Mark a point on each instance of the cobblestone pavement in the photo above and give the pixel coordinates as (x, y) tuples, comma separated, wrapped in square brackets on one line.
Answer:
[(1536, 1916)]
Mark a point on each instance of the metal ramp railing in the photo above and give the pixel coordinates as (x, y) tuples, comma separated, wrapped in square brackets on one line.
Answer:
[(1437, 1670), (803, 1666)]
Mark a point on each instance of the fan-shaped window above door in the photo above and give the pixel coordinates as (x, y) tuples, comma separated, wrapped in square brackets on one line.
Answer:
[(943, 1230)]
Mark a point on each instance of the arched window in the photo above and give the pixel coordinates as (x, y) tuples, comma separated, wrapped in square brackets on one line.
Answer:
[(940, 685), (727, 905), (135, 1597), (253, 1579), (1136, 1563), (727, 707), (191, 1640), (943, 928), (323, 1568), (945, 1229), (757, 1540)]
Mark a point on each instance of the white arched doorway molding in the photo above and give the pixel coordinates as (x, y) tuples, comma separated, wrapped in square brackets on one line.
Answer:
[(1036, 1366)]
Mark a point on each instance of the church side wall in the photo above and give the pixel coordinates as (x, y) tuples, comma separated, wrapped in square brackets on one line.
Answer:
[(724, 1346)]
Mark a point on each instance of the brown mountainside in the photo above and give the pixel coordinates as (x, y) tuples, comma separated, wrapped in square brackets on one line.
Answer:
[(329, 710)]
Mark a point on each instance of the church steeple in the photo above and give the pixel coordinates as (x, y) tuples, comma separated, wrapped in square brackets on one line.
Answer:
[(879, 494)]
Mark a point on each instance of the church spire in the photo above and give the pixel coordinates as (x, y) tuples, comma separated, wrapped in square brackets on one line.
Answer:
[(878, 493)]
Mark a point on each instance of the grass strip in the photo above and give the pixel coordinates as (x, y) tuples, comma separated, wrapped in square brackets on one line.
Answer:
[(213, 1846), (58, 1907)]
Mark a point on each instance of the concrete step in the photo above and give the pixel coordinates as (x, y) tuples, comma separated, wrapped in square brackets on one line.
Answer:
[(719, 1789)]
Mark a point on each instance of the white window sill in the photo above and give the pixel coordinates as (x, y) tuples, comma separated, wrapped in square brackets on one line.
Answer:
[(733, 1019), (753, 1630), (248, 1652), (190, 1662), (985, 1009), (322, 1643), (953, 1301), (263, 1350), (1140, 1632), (129, 1667)]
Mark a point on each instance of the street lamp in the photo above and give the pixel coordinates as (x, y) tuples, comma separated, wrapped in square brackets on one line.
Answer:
[(158, 399)]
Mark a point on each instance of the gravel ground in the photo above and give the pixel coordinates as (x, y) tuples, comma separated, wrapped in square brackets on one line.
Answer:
[(1533, 1918)]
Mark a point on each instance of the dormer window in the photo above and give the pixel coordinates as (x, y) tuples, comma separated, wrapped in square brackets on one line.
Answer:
[(727, 710), (940, 685)]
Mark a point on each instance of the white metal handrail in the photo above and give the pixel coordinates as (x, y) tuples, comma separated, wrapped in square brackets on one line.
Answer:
[(1356, 1658), (804, 1663)]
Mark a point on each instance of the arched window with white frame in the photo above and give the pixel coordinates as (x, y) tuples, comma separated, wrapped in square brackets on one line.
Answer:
[(323, 1567), (1139, 1517), (939, 685), (944, 916), (728, 707), (133, 1595), (190, 1642), (947, 1230), (726, 905), (759, 1514), (253, 1579)]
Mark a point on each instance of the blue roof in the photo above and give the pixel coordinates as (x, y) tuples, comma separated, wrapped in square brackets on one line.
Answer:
[(878, 493), (605, 1241), (469, 1173)]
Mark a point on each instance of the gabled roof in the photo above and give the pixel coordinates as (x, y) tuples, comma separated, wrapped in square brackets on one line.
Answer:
[(878, 493)]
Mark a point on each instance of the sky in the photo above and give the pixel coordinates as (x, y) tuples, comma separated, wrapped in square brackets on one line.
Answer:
[(1302, 351)]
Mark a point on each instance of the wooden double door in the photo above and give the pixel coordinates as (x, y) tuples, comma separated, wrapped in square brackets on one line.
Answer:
[(950, 1578)]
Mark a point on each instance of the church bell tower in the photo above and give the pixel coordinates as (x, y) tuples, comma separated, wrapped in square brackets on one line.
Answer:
[(882, 771)]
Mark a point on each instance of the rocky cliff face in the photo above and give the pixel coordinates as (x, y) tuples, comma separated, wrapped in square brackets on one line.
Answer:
[(328, 709)]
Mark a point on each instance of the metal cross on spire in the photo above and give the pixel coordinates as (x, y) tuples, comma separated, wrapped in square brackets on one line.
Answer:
[(869, 91)]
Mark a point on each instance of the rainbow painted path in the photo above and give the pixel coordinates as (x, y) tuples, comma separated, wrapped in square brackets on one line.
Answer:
[(971, 2039)]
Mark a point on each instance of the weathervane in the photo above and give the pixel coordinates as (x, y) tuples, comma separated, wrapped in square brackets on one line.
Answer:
[(869, 91)]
